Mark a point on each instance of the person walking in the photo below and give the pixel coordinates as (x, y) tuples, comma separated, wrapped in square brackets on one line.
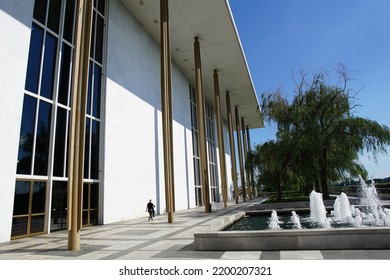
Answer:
[(150, 209)]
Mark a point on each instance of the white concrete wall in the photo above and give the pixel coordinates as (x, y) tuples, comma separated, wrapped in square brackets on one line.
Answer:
[(15, 22), (133, 153)]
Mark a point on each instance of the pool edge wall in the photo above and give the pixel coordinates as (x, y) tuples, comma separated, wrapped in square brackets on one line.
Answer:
[(306, 239)]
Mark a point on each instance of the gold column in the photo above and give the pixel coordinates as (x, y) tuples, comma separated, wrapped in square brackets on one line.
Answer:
[(220, 138), (202, 127), (77, 121), (251, 167), (240, 159), (166, 103), (232, 147), (244, 140)]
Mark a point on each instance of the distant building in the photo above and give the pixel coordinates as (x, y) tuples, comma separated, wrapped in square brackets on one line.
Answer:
[(123, 161)]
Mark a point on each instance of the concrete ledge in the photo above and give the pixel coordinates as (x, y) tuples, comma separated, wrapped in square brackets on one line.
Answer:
[(306, 239)]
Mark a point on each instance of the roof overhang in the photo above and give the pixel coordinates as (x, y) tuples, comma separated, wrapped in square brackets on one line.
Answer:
[(212, 22)]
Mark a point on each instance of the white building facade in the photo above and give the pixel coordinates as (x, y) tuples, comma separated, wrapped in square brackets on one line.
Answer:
[(123, 161)]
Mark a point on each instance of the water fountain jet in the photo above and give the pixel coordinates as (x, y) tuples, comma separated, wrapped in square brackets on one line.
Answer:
[(359, 236)]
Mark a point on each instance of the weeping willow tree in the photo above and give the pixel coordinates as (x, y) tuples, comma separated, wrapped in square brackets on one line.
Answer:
[(318, 138)]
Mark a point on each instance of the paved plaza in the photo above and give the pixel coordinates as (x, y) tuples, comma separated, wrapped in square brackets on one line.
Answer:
[(138, 239)]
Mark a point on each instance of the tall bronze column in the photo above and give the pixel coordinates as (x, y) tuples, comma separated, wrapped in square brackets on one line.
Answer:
[(202, 127), (240, 159), (221, 143), (232, 147), (244, 140), (77, 121), (166, 104), (251, 167)]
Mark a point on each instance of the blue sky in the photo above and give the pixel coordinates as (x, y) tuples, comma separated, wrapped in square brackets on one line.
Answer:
[(282, 37)]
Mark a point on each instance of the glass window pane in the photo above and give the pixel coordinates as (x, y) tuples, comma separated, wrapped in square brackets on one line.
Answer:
[(198, 193), (195, 143), (26, 136), (85, 217), (60, 142), (101, 7), (65, 71), (58, 206), (37, 224), (94, 196), (53, 21), (19, 226), (86, 151), (96, 91), (89, 97), (99, 39), (85, 196), (43, 139), (40, 10), (93, 217), (38, 199), (49, 62), (34, 59), (69, 20), (92, 50), (95, 150), (22, 197), (67, 145)]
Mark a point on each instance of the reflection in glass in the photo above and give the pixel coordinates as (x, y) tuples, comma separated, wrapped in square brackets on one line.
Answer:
[(198, 196), (37, 224), (85, 196), (40, 10), (99, 39), (86, 151), (26, 138), (93, 217), (197, 172), (60, 142), (63, 90), (69, 20), (95, 150), (42, 139), (22, 198), (58, 206), (85, 217), (89, 97), (92, 50), (19, 226), (38, 199), (195, 143), (90, 203), (100, 6), (96, 91), (49, 62), (94, 196), (53, 21), (34, 59)]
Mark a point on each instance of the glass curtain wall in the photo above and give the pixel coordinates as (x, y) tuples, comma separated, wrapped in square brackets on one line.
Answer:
[(212, 155), (41, 179), (195, 149), (211, 152)]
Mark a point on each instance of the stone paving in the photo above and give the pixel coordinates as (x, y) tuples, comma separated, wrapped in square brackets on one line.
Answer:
[(138, 239)]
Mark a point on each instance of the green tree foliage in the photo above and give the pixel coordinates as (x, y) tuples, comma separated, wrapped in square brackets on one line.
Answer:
[(318, 138)]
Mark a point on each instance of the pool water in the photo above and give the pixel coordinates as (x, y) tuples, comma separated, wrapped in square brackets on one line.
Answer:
[(260, 222)]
